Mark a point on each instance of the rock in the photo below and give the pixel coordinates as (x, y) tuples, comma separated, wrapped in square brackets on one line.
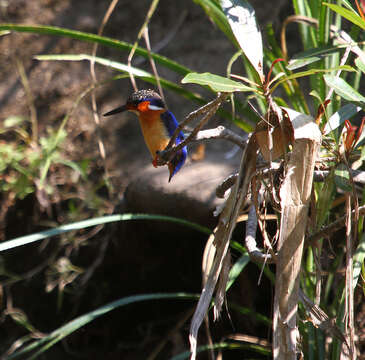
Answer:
[(190, 195)]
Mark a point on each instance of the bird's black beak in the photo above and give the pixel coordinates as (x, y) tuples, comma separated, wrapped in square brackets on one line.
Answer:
[(117, 110)]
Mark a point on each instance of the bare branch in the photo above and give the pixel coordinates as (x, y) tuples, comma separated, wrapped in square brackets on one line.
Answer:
[(225, 185), (220, 132), (329, 229), (250, 240), (209, 110)]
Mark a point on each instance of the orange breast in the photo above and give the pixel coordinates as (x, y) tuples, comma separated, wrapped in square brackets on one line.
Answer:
[(154, 132)]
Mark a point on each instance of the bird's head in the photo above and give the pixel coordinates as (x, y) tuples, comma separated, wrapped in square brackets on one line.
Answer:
[(141, 101)]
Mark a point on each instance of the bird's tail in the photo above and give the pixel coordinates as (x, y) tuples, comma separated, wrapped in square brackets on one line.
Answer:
[(177, 162)]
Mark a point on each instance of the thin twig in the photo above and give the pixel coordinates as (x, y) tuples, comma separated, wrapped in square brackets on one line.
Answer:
[(358, 176), (168, 37), (326, 231), (341, 36), (293, 18), (94, 81), (151, 10), (152, 62)]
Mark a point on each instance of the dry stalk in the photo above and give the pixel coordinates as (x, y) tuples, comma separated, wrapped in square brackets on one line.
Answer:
[(295, 197), (222, 236), (349, 290)]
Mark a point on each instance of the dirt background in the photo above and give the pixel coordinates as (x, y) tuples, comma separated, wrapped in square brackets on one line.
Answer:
[(118, 260)]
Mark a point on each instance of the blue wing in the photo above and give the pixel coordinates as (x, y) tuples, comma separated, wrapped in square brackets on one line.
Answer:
[(171, 124)]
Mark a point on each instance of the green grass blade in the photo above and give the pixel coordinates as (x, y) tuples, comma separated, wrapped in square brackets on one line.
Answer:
[(148, 77), (236, 269), (224, 346), (308, 73), (89, 37), (359, 257), (347, 14), (67, 329), (27, 239), (216, 83)]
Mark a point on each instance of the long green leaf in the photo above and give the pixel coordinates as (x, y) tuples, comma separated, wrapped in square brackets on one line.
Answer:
[(342, 88), (360, 65), (242, 20), (339, 117), (27, 239), (89, 37), (121, 45), (144, 75), (246, 124), (308, 73), (216, 82), (67, 329), (348, 5), (348, 14), (310, 56)]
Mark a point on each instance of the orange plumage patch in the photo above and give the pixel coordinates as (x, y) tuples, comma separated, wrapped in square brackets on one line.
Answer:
[(143, 106), (154, 132)]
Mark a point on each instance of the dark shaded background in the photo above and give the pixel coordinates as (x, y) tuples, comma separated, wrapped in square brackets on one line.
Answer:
[(139, 257)]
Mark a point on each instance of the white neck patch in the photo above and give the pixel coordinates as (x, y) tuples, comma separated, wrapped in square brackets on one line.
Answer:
[(154, 107)]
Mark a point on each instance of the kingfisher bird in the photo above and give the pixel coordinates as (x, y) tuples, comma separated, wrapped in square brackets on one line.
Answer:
[(158, 125)]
